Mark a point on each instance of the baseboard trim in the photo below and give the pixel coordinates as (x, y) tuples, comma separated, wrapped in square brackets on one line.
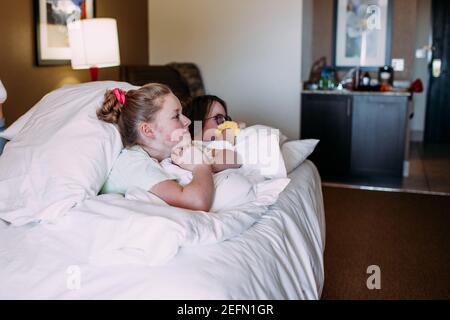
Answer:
[(383, 189)]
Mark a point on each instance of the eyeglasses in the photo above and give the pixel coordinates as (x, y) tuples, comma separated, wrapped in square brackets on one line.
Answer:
[(220, 118)]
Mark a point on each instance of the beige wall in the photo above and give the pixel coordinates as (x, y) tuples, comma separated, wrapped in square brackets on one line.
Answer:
[(323, 29), (307, 38), (403, 32), (249, 53), (26, 83), (423, 38)]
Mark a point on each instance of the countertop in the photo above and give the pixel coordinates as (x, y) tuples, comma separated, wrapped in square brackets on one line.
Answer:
[(360, 93)]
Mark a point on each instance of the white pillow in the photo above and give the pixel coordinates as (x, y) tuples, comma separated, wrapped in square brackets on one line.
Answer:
[(295, 152), (15, 128), (61, 156), (283, 139), (259, 150), (232, 190)]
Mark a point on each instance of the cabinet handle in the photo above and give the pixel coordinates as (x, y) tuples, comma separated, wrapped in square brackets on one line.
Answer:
[(348, 109)]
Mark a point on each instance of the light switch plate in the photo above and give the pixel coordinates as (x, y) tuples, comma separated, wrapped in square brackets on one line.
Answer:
[(398, 64), (421, 53)]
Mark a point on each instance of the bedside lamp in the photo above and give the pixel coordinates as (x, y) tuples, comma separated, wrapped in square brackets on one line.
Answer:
[(94, 44)]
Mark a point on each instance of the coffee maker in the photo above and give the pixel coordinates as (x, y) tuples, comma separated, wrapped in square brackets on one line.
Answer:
[(386, 76)]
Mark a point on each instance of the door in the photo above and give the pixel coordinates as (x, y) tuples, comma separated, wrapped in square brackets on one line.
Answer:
[(328, 118), (437, 127)]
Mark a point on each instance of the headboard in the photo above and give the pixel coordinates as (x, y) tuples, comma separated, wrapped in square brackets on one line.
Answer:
[(183, 79)]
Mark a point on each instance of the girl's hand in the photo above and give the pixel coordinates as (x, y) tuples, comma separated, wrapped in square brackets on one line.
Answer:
[(229, 135), (185, 141), (242, 125), (190, 157)]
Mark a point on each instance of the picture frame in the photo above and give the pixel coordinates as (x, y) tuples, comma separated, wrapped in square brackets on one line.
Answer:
[(51, 18), (362, 34)]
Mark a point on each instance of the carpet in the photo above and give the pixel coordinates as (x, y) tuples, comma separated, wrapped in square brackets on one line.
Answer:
[(406, 235)]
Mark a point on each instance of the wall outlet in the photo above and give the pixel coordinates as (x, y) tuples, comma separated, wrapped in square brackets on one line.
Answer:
[(398, 64)]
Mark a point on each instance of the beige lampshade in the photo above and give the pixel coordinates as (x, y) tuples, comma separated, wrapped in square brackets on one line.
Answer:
[(94, 43)]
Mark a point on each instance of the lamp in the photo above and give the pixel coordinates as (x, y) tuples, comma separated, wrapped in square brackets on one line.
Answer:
[(94, 44)]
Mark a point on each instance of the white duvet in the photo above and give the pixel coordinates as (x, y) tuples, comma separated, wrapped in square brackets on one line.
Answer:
[(140, 229), (254, 252)]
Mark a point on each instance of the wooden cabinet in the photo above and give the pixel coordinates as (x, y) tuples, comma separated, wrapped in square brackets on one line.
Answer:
[(360, 134), (328, 118), (378, 135)]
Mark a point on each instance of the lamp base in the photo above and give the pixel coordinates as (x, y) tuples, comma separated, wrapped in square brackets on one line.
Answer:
[(94, 73)]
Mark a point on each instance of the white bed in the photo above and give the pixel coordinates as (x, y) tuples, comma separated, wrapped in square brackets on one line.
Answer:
[(66, 242), (279, 257)]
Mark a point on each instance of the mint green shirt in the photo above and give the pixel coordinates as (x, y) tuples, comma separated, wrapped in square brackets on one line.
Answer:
[(135, 168)]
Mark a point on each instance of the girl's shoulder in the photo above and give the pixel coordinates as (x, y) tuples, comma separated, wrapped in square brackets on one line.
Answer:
[(136, 154), (135, 150)]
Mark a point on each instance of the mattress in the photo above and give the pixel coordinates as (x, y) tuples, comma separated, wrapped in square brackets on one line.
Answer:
[(278, 257)]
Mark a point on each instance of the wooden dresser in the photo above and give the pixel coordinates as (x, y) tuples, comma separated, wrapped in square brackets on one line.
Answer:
[(361, 133)]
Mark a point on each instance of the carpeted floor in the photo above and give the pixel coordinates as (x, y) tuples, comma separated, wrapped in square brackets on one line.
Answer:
[(406, 235)]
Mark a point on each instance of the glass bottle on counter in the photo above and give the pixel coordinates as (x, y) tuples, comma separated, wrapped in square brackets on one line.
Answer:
[(323, 82), (356, 78), (327, 79)]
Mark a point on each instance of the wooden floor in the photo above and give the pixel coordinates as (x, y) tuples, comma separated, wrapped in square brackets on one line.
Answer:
[(429, 173)]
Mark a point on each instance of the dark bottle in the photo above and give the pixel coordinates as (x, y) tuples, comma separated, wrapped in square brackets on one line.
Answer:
[(356, 78)]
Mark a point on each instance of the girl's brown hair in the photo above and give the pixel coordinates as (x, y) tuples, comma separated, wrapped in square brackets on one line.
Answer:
[(140, 105)]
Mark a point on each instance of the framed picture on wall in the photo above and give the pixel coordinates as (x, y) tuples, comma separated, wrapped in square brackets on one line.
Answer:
[(362, 33), (51, 17)]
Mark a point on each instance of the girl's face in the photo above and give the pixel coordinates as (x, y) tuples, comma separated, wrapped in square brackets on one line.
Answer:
[(170, 125), (210, 125)]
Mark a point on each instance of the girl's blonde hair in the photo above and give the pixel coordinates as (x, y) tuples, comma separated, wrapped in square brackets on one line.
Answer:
[(140, 105)]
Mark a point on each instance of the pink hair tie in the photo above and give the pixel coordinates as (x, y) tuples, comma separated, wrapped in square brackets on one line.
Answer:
[(120, 95)]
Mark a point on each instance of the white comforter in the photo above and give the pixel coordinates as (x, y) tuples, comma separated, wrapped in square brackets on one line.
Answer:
[(280, 256)]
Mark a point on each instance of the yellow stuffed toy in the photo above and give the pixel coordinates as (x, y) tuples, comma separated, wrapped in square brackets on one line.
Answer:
[(228, 125)]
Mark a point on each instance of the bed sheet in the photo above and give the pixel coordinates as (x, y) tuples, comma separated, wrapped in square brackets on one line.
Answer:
[(279, 257)]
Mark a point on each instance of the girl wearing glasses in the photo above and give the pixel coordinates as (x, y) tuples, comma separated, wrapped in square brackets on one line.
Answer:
[(206, 113)]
